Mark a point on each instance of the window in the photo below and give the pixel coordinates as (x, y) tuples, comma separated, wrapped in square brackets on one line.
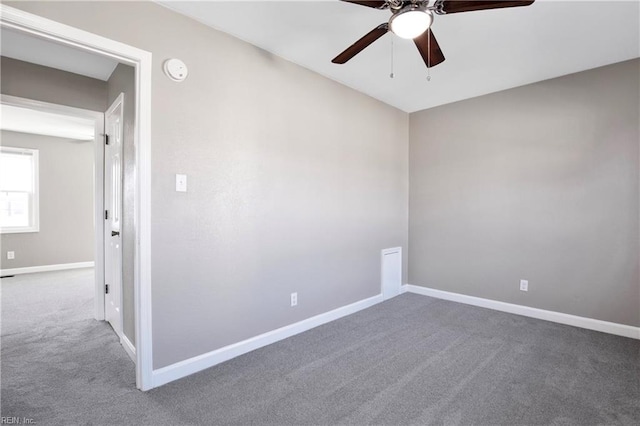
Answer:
[(18, 190)]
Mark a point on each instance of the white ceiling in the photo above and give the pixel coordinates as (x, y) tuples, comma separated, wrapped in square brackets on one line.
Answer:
[(26, 120), (27, 48), (486, 51)]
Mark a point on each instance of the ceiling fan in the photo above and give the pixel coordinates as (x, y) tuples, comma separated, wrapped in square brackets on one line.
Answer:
[(412, 20)]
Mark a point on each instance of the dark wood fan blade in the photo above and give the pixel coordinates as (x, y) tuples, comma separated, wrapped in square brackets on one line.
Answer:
[(361, 44), (456, 6), (375, 4), (429, 49)]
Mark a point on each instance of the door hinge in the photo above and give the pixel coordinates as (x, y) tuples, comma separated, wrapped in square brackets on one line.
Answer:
[(106, 214), (106, 139), (106, 289)]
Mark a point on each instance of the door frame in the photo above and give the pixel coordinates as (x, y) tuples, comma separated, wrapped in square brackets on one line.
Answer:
[(141, 60), (98, 180)]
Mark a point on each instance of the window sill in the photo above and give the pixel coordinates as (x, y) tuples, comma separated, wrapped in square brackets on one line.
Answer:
[(24, 230)]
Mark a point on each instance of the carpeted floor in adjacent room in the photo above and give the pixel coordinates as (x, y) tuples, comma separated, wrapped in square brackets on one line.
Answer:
[(410, 360)]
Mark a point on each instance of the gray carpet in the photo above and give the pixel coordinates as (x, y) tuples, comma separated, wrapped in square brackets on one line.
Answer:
[(411, 360)]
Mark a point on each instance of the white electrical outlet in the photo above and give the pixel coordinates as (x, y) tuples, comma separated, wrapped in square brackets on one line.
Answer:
[(11, 255), (294, 299), (524, 285)]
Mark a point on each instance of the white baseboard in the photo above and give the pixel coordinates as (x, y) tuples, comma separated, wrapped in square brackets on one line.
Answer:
[(46, 268), (128, 347), (198, 363), (559, 317)]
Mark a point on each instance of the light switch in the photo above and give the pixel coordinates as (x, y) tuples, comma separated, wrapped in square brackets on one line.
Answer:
[(181, 183)]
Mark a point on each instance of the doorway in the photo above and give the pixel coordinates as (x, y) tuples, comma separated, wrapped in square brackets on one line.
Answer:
[(86, 128), (64, 35)]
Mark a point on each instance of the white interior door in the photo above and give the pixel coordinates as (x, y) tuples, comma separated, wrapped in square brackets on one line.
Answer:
[(113, 214), (391, 272)]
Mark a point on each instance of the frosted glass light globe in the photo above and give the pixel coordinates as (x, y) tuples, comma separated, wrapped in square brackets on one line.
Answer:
[(410, 23)]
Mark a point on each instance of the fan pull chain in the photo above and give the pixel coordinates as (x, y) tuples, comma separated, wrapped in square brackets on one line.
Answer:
[(392, 75), (429, 54)]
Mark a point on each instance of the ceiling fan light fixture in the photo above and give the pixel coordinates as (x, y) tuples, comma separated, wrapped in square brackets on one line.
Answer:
[(410, 22)]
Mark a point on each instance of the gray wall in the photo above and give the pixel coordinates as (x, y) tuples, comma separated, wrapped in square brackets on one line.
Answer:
[(66, 204), (538, 182), (46, 84), (122, 80), (295, 182)]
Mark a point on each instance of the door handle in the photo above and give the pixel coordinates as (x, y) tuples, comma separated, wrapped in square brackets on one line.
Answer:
[(114, 233)]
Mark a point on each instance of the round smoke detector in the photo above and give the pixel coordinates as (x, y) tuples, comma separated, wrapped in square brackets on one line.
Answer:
[(175, 69)]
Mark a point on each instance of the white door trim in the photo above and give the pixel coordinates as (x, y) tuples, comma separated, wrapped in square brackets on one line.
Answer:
[(98, 119), (141, 60)]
